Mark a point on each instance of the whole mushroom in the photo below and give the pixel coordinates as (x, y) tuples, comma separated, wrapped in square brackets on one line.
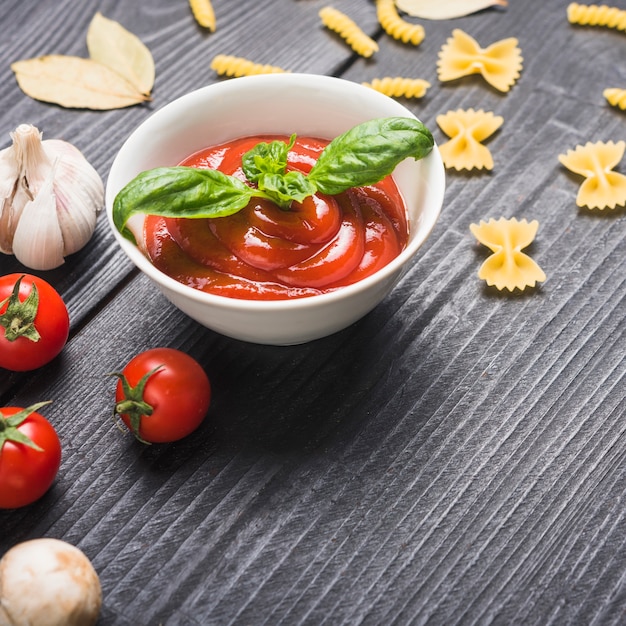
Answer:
[(48, 582)]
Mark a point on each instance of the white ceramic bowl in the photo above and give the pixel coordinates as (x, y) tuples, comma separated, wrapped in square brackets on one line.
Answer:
[(276, 103)]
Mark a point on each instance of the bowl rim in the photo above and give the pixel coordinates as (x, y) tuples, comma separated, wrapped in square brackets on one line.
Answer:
[(225, 302)]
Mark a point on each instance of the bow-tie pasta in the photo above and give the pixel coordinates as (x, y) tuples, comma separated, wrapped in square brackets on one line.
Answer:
[(508, 267), (500, 64), (467, 129), (602, 188), (615, 97)]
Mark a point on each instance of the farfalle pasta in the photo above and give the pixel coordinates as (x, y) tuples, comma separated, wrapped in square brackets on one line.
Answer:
[(500, 64), (398, 87), (508, 267), (596, 15), (602, 188), (467, 129), (226, 65), (349, 31), (397, 27), (615, 97)]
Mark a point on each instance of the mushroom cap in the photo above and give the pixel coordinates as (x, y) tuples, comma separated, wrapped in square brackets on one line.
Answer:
[(48, 582)]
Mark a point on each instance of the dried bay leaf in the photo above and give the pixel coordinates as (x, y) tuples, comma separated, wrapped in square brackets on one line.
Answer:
[(445, 9), (119, 73), (110, 44), (74, 82)]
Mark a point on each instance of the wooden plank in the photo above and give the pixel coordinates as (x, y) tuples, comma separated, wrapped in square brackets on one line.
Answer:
[(456, 457)]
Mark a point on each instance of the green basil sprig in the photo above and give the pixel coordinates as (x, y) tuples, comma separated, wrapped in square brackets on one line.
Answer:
[(266, 165), (362, 156)]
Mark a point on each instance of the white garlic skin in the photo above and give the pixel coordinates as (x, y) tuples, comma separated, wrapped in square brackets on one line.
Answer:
[(48, 210), (9, 174)]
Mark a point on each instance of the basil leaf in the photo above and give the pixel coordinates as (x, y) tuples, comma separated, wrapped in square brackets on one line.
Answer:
[(266, 158), (362, 156), (368, 152), (180, 192), (282, 189)]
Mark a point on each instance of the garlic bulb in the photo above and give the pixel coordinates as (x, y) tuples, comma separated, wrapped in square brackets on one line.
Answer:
[(50, 196)]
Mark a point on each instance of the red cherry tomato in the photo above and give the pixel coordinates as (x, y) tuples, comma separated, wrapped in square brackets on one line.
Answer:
[(34, 323), (162, 395), (30, 456)]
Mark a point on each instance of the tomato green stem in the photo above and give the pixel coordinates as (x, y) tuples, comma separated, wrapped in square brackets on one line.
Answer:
[(19, 318), (9, 427), (133, 405), (127, 406)]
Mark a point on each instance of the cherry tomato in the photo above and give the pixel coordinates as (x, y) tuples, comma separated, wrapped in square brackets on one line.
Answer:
[(30, 456), (34, 323), (162, 395)]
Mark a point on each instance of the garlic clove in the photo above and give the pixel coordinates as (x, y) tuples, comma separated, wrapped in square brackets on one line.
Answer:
[(38, 241), (9, 174), (76, 225), (20, 198), (34, 162), (79, 192), (24, 167)]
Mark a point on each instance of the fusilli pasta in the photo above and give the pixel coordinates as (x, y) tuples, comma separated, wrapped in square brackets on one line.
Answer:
[(203, 13), (596, 15), (395, 26), (508, 267), (602, 188), (399, 87), (348, 30), (232, 66), (500, 64)]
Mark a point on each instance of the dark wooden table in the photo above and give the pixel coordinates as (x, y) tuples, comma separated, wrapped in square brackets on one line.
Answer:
[(456, 457)]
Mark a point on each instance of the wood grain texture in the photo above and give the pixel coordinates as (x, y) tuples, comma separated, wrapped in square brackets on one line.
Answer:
[(456, 457)]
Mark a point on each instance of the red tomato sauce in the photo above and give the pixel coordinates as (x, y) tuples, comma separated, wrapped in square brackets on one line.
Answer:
[(266, 253)]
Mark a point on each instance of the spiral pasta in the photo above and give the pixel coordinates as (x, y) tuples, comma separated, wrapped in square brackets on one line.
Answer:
[(596, 15), (349, 31), (395, 26), (399, 87), (232, 66), (203, 13), (616, 97), (508, 267)]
